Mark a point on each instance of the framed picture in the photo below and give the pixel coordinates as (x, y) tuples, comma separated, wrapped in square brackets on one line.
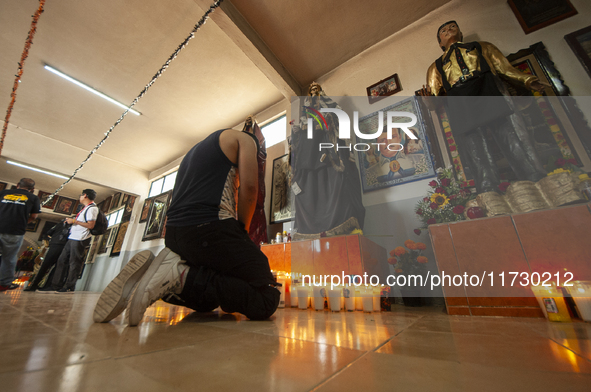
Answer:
[(103, 242), (92, 251), (33, 225), (536, 14), (580, 43), (156, 217), (105, 205), (383, 88), (115, 201), (408, 160), (146, 210), (118, 244), (555, 124), (282, 197), (129, 203), (3, 186), (65, 205), (43, 196)]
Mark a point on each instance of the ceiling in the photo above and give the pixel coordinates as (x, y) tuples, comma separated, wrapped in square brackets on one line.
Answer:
[(251, 55)]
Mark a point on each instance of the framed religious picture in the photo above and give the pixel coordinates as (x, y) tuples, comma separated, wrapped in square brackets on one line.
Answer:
[(536, 14), (115, 201), (580, 43), (129, 203), (78, 208), (43, 196), (146, 210), (282, 197), (383, 88), (33, 225), (118, 244), (105, 205), (65, 205), (156, 217), (3, 186), (102, 248), (92, 252), (385, 162)]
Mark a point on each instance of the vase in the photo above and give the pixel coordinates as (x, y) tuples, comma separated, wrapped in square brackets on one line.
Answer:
[(411, 296)]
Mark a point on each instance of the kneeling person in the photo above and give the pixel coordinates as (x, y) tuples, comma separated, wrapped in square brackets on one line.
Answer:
[(213, 202)]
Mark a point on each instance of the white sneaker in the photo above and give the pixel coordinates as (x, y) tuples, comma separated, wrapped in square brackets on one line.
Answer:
[(115, 296), (162, 278)]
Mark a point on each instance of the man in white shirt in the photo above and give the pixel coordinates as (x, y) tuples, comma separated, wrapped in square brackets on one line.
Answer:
[(78, 240)]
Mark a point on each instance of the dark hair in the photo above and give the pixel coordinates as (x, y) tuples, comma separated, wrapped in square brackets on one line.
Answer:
[(90, 193), (443, 25), (26, 183)]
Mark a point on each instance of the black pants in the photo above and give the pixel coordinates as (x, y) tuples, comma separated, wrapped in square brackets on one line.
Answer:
[(226, 269), (475, 152), (50, 259), (72, 255)]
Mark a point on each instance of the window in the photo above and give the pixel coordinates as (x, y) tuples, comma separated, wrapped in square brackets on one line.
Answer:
[(114, 217), (163, 184), (275, 131)]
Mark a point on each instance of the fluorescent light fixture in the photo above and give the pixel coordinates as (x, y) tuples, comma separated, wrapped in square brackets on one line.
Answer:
[(37, 170), (88, 88)]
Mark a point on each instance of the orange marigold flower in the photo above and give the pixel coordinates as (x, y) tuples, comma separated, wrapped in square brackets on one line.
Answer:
[(410, 244), (422, 259), (421, 246), (392, 260), (399, 251)]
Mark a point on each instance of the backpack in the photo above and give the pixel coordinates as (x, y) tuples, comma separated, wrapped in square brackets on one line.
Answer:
[(101, 223)]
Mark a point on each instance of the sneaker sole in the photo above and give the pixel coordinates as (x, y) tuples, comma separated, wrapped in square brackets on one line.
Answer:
[(115, 296), (135, 314)]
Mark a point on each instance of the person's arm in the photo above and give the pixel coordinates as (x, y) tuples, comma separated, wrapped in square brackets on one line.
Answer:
[(504, 68), (248, 174), (89, 225)]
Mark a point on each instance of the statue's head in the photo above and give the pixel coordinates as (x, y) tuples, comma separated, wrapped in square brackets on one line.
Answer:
[(248, 124), (449, 33), (314, 89)]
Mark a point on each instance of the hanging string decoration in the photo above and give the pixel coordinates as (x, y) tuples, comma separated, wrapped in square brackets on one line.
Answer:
[(19, 72), (201, 22)]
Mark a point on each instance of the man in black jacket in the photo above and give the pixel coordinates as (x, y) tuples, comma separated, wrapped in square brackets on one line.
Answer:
[(58, 236)]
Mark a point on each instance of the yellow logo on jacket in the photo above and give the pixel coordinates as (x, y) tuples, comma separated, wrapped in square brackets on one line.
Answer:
[(16, 198)]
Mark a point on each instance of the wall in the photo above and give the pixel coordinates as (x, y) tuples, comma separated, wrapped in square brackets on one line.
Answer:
[(390, 217)]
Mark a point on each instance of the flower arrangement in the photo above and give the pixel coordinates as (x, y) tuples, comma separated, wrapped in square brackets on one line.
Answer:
[(561, 165), (445, 201), (409, 262)]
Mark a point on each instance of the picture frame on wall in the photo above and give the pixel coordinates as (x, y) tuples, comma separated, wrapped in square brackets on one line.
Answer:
[(384, 88), (43, 196), (282, 197), (146, 210), (580, 43), (3, 186), (103, 242), (65, 205), (129, 203), (412, 161), (156, 217), (115, 201), (33, 225), (534, 15), (92, 252), (112, 236), (105, 205), (118, 244)]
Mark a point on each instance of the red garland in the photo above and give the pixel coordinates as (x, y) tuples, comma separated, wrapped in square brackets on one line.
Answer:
[(19, 73)]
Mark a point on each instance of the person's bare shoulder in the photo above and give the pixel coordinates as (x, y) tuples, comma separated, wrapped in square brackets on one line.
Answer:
[(232, 141)]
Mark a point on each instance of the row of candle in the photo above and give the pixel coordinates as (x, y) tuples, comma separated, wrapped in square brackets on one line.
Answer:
[(367, 299)]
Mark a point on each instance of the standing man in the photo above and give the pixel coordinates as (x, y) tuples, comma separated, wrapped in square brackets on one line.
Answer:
[(474, 69), (17, 207), (78, 240), (213, 202)]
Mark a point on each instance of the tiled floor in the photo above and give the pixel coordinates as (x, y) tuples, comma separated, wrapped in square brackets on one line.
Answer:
[(49, 343)]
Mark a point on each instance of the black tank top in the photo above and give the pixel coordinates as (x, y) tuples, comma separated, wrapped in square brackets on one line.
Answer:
[(206, 187)]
